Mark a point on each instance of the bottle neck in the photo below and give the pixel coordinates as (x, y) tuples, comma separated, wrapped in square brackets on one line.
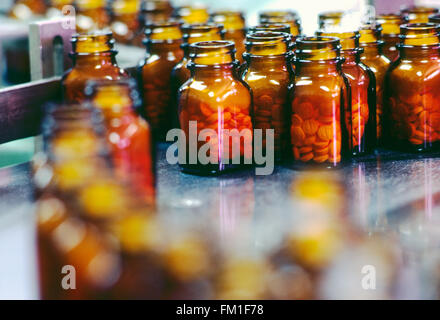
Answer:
[(351, 56), (94, 59), (268, 62), (317, 67), (226, 70), (371, 49), (163, 48), (420, 52)]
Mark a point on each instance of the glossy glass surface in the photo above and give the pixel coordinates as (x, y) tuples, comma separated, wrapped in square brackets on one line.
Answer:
[(418, 14), (283, 16), (319, 96), (412, 90), (390, 33), (164, 51), (93, 59), (218, 100), (268, 73), (125, 22)]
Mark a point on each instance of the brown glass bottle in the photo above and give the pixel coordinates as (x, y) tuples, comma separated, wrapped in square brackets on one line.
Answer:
[(125, 21), (93, 59), (363, 94), (128, 135), (390, 33), (417, 14), (192, 14), (212, 101), (373, 58), (268, 73), (163, 43), (413, 114), (319, 100), (156, 10), (329, 19), (273, 27), (235, 29), (91, 15), (193, 33), (289, 17)]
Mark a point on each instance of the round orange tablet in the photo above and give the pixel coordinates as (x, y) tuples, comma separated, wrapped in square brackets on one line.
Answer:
[(325, 132), (310, 126), (307, 157), (297, 135), (296, 120), (321, 158), (305, 110)]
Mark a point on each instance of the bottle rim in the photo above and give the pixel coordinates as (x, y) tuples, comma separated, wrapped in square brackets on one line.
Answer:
[(418, 9), (274, 27)]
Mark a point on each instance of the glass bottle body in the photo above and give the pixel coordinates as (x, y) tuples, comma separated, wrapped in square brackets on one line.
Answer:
[(163, 53), (390, 33), (215, 106), (319, 100), (417, 14), (128, 135), (412, 91), (268, 73)]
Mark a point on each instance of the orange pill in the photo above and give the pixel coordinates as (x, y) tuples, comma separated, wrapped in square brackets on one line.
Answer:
[(325, 120), (205, 109), (309, 140), (434, 120), (296, 120), (415, 141), (318, 144), (305, 150), (326, 109), (305, 110), (321, 151), (325, 132), (307, 157), (321, 158), (226, 116), (297, 135), (212, 118), (265, 101), (310, 126)]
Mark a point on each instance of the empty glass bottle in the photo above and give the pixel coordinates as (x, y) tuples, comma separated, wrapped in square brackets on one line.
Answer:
[(373, 58), (163, 43), (274, 27), (319, 100), (268, 73), (289, 17), (235, 28), (390, 33), (93, 58), (363, 94), (212, 104), (413, 114)]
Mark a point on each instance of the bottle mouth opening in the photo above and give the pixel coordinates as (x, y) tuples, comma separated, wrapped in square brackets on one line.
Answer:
[(262, 37), (226, 13), (278, 14), (331, 15), (213, 45), (348, 39), (419, 9), (162, 24), (419, 26), (317, 40), (91, 35), (200, 27), (275, 27)]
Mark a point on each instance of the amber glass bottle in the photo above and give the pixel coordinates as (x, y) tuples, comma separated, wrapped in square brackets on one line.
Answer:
[(163, 43), (412, 96), (373, 58), (363, 94), (93, 58), (25, 9), (390, 33), (268, 73), (192, 14), (418, 14), (320, 98), (274, 27), (289, 17), (128, 134), (216, 99), (91, 15), (193, 33), (329, 19), (155, 11), (235, 29), (125, 21)]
